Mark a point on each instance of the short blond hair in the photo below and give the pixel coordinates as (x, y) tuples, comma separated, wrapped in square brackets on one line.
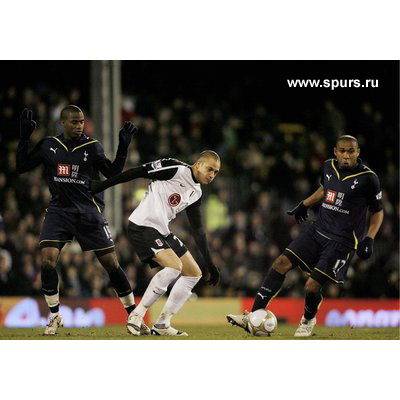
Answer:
[(208, 154)]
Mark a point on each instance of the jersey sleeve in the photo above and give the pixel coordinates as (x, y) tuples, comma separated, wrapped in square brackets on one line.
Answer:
[(105, 166), (194, 217), (163, 169), (197, 203), (26, 161), (126, 176), (323, 172), (321, 179), (374, 194)]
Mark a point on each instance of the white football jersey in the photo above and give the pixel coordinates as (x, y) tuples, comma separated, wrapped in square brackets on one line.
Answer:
[(173, 188)]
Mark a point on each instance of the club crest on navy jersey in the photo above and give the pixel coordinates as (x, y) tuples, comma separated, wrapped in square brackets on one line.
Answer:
[(354, 184)]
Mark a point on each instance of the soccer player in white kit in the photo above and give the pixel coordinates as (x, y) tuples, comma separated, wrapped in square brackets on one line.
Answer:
[(175, 187)]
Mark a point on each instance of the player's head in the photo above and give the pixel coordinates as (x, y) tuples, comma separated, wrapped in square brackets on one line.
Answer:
[(347, 151), (72, 120), (206, 167)]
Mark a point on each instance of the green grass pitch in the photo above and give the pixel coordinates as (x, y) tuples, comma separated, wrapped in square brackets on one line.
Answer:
[(218, 332)]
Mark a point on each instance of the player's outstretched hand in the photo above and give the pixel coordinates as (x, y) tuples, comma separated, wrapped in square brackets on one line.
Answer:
[(365, 248), (300, 212), (26, 124), (214, 275), (96, 186), (126, 133)]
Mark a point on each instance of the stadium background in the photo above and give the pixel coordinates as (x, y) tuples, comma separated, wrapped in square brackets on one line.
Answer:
[(272, 140)]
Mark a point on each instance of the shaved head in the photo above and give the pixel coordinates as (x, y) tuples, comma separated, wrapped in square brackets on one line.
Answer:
[(69, 109), (206, 167), (346, 138), (207, 154)]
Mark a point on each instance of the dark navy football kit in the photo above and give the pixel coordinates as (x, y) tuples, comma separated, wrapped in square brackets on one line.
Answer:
[(73, 211), (326, 247)]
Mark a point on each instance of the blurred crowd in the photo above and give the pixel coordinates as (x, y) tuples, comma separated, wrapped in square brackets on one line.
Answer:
[(268, 166)]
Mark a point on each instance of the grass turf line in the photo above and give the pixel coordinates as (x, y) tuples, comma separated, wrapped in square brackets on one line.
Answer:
[(284, 332)]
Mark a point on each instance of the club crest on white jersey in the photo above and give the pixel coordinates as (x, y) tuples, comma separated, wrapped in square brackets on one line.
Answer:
[(172, 189), (174, 199)]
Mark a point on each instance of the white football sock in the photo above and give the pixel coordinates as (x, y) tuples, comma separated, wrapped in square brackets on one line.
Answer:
[(53, 300), (157, 287), (180, 293)]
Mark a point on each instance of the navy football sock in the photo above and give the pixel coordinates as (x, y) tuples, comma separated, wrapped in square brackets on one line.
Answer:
[(312, 302), (270, 288), (129, 309), (122, 286), (120, 282), (49, 278), (49, 281), (55, 309)]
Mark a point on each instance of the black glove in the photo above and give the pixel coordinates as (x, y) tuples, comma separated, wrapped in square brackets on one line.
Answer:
[(214, 275), (26, 124), (365, 248), (300, 212), (96, 186), (126, 133)]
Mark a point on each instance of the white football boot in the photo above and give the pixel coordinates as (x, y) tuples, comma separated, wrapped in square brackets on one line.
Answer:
[(144, 330), (240, 320), (54, 323), (170, 331), (134, 324), (305, 327)]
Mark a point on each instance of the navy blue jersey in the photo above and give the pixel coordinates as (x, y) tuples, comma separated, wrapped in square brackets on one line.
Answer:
[(68, 168), (348, 194)]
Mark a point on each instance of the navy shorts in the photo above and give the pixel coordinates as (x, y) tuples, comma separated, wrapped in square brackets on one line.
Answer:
[(90, 231), (323, 258), (147, 242)]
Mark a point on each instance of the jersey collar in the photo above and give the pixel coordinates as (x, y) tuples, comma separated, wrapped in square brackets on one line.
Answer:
[(72, 145), (355, 168), (349, 173)]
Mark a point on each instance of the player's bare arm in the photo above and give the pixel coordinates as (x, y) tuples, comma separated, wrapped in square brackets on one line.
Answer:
[(365, 248), (300, 212), (375, 223), (315, 198)]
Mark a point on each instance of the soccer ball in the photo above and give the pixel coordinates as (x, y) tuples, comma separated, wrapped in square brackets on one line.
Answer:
[(262, 323)]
